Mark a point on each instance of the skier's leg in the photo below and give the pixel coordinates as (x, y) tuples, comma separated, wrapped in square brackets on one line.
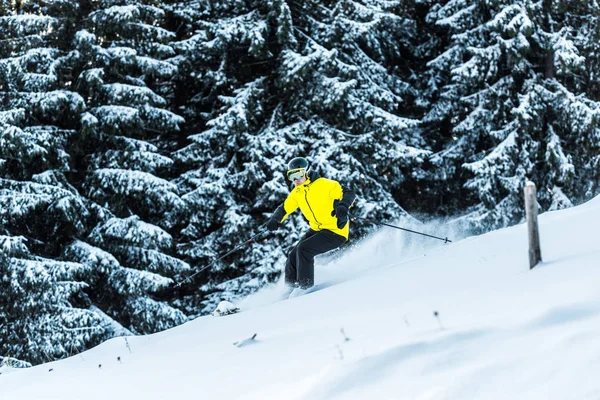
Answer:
[(306, 250), (291, 271), (290, 267)]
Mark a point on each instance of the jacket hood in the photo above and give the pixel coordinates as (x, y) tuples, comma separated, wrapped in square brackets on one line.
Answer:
[(313, 175)]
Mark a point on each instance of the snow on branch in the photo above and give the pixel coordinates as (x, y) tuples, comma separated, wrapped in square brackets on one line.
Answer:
[(123, 94), (13, 246), (27, 24), (141, 185), (132, 231)]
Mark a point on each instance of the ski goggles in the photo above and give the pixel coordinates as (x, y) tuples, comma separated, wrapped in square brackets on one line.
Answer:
[(296, 174)]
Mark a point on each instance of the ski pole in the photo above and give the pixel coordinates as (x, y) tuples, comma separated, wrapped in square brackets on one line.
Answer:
[(223, 256), (446, 240)]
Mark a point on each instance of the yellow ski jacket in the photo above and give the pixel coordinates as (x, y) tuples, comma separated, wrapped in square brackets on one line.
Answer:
[(317, 199)]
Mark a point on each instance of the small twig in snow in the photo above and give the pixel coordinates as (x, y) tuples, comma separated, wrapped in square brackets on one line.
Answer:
[(437, 316), (346, 338), (245, 342), (127, 344)]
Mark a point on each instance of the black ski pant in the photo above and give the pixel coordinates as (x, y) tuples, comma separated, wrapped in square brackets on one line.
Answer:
[(300, 266)]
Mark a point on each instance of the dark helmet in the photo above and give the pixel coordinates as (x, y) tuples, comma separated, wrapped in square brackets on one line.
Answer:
[(298, 162), (297, 168)]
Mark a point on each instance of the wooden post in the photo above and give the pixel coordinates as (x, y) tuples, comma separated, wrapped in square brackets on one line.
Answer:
[(535, 254)]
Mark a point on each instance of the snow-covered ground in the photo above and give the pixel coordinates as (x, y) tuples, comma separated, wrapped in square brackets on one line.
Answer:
[(466, 320)]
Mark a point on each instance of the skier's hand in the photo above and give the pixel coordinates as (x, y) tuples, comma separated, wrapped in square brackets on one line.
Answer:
[(341, 212), (272, 224)]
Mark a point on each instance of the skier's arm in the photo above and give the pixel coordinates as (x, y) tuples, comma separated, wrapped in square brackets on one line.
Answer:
[(343, 199), (281, 213), (348, 197), (278, 214), (289, 206), (344, 196)]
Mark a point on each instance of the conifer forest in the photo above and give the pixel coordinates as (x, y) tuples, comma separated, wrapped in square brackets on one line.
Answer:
[(142, 139)]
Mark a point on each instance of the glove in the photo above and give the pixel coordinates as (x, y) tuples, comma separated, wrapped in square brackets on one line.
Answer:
[(272, 224), (341, 212)]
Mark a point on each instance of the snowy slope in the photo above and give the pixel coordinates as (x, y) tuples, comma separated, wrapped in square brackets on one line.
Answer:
[(501, 331)]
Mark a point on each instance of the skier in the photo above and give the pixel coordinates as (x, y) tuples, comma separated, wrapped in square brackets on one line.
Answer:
[(324, 203)]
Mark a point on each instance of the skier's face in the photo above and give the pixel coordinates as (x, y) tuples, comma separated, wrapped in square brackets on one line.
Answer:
[(298, 176), (300, 181)]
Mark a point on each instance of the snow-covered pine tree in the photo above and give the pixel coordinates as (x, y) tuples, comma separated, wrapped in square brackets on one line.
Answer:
[(122, 290), (43, 312), (274, 80), (37, 120), (504, 109), (125, 114), (226, 55), (122, 59), (347, 80), (573, 44), (38, 112)]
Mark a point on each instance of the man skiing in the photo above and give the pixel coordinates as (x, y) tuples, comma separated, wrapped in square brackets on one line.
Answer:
[(324, 203)]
